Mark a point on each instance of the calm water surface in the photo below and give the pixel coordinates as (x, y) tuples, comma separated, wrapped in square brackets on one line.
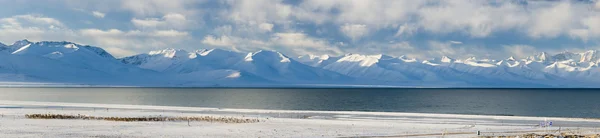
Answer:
[(519, 102)]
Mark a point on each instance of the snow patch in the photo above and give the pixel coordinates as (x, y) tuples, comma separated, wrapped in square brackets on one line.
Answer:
[(236, 74)]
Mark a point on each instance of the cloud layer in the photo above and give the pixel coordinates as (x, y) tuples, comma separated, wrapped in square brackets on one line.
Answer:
[(419, 28)]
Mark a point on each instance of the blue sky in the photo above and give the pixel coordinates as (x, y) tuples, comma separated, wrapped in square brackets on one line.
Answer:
[(417, 28)]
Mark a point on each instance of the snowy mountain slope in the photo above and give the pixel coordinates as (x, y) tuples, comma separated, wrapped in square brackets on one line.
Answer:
[(196, 68), (402, 70), (66, 62), (316, 61), (158, 60), (71, 63), (45, 69), (279, 67), (75, 55), (3, 48), (17, 45), (533, 71), (217, 64), (367, 66), (207, 60)]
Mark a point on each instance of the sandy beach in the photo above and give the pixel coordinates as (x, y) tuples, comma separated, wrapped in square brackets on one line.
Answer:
[(273, 123)]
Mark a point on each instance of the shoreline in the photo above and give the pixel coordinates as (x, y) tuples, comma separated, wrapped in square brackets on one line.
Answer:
[(240, 110), (277, 123)]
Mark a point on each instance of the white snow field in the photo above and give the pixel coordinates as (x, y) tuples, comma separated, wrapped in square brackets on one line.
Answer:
[(56, 64), (273, 123)]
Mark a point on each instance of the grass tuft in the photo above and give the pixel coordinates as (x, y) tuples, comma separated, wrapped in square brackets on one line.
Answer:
[(138, 119)]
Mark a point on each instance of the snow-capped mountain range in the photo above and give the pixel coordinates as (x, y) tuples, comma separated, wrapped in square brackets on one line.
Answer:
[(46, 63)]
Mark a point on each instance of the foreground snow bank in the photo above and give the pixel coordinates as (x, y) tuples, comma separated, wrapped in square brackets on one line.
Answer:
[(274, 123)]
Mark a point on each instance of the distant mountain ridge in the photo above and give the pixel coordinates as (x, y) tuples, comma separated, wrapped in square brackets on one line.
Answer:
[(65, 63)]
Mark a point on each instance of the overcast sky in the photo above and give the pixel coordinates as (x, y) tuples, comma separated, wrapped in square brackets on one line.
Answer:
[(417, 28)]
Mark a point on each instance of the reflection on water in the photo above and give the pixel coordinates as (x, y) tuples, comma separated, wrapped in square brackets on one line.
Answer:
[(521, 102)]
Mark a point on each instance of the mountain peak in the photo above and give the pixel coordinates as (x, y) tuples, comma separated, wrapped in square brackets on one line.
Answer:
[(376, 56), (365, 60), (446, 59), (267, 55), (170, 53), (407, 59), (511, 58), (591, 51), (200, 51), (216, 51), (589, 56), (22, 42), (313, 57), (540, 57), (471, 59)]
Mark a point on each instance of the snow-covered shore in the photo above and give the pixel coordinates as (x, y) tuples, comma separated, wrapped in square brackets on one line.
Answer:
[(274, 123)]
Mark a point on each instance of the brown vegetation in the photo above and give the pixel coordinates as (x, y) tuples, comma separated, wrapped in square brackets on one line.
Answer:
[(532, 135), (130, 119)]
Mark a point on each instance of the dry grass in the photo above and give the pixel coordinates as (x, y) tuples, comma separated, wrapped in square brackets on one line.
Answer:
[(132, 119), (532, 135)]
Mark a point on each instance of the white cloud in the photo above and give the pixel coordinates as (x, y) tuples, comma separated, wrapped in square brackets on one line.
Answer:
[(590, 29), (122, 38), (284, 25), (223, 30), (431, 49), (30, 20), (476, 18), (40, 20), (519, 51), (456, 42), (438, 49), (236, 43), (297, 40), (359, 19), (267, 27), (402, 45), (118, 42), (98, 14), (406, 30), (354, 31), (221, 41), (592, 23), (98, 32), (168, 21), (134, 40), (552, 21), (259, 11), (159, 7), (390, 48), (294, 43), (376, 14), (34, 27), (301, 44), (582, 34), (442, 49), (169, 33), (147, 23)]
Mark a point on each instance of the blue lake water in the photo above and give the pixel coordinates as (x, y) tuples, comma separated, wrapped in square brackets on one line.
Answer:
[(518, 102)]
